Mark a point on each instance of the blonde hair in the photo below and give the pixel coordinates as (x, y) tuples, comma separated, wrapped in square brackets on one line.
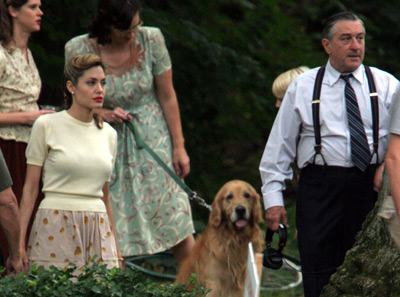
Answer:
[(75, 68), (282, 82)]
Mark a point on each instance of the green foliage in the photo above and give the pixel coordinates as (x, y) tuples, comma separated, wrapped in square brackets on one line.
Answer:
[(225, 56), (96, 280)]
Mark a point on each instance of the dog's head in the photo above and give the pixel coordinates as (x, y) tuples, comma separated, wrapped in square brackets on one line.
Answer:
[(237, 204)]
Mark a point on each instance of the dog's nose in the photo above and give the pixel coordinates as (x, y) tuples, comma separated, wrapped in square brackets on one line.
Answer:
[(240, 211)]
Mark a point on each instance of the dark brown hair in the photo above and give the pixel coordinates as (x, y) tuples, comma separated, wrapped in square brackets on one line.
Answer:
[(6, 25), (75, 69), (112, 13)]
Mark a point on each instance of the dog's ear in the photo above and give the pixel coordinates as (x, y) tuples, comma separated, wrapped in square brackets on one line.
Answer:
[(216, 212), (256, 211)]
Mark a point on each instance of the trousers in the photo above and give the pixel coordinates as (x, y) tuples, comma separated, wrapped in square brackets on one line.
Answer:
[(332, 204)]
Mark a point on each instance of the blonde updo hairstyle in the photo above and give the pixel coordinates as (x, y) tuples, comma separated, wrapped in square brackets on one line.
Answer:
[(282, 82), (75, 69)]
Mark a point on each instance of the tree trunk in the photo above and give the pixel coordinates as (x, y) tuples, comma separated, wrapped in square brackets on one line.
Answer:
[(372, 267)]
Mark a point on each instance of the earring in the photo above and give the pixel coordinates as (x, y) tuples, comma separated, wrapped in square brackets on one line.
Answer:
[(72, 93)]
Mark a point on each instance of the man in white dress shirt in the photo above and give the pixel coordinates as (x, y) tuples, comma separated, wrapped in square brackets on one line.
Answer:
[(335, 193)]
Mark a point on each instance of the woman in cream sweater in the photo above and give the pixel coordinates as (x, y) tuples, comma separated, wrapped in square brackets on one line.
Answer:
[(74, 151)]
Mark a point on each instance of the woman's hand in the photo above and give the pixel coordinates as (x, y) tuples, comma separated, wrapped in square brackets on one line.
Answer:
[(116, 116), (24, 258), (31, 116), (181, 161), (14, 265)]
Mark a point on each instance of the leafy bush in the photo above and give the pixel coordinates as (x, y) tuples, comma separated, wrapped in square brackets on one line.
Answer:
[(95, 280)]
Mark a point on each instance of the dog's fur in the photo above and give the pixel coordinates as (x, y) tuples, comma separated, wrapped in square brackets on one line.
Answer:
[(220, 254)]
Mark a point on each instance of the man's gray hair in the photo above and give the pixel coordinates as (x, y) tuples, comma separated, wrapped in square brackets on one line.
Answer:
[(330, 28)]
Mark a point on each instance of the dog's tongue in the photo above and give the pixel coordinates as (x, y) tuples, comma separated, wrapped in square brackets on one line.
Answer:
[(241, 223)]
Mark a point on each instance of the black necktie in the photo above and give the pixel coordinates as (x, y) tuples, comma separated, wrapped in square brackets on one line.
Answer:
[(360, 153)]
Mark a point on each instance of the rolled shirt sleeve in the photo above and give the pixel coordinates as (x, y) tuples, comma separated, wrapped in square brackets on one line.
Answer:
[(280, 152)]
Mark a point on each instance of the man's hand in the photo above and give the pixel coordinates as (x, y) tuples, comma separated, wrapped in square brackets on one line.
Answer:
[(378, 177), (273, 216)]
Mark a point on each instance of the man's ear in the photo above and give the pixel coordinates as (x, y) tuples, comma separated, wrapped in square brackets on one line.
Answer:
[(327, 45)]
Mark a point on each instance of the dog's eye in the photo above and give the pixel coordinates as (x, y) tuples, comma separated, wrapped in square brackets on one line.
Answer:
[(229, 197), (246, 195)]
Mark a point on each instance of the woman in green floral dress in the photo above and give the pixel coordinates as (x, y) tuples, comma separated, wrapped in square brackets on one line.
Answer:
[(151, 212)]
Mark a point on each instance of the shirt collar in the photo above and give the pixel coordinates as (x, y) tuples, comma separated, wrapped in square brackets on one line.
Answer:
[(333, 75)]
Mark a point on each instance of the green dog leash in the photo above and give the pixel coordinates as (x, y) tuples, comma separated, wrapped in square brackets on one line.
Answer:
[(143, 145)]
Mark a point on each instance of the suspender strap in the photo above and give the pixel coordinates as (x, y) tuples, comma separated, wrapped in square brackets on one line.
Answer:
[(375, 110), (315, 110), (374, 107)]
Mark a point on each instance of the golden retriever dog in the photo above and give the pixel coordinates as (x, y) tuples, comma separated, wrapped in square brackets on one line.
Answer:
[(219, 256)]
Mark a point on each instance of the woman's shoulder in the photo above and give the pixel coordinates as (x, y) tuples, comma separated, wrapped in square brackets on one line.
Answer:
[(150, 29), (3, 58), (48, 118), (46, 121), (109, 129), (78, 42), (79, 39), (110, 134), (153, 37), (3, 51), (3, 55), (151, 32)]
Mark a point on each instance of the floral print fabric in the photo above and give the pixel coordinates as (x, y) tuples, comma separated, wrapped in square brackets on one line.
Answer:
[(20, 86)]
